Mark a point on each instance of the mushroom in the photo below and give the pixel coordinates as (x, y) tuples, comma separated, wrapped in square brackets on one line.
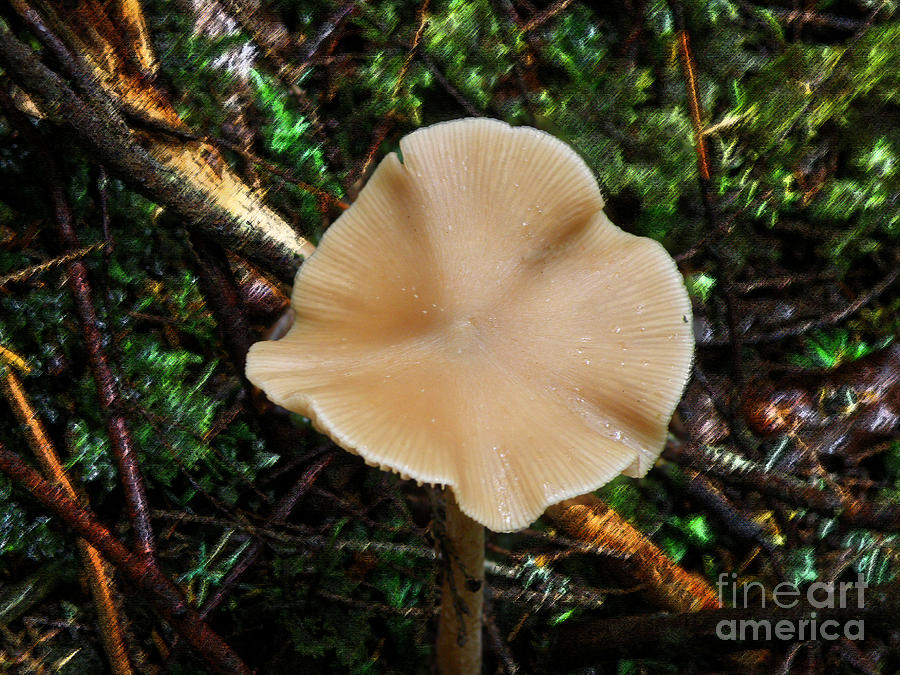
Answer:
[(475, 320)]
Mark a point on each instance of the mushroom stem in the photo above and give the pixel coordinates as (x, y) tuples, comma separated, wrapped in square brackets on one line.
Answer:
[(462, 595)]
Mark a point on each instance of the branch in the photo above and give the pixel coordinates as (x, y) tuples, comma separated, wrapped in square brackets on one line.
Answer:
[(161, 592), (188, 177), (590, 520), (107, 390), (101, 584), (737, 470), (694, 634), (282, 510)]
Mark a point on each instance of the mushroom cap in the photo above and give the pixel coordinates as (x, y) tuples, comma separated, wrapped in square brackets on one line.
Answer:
[(475, 320)]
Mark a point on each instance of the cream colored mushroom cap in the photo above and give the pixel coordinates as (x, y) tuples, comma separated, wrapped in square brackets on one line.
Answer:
[(475, 320)]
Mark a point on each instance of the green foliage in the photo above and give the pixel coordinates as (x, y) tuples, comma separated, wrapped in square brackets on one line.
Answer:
[(467, 40), (801, 566), (344, 637), (194, 62), (24, 534), (875, 555), (624, 495), (700, 286), (831, 349), (287, 129), (208, 570)]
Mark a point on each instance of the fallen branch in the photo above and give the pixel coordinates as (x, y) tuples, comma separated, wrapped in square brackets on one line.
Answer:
[(120, 439), (143, 573), (737, 470), (689, 635), (591, 521), (102, 586), (191, 178)]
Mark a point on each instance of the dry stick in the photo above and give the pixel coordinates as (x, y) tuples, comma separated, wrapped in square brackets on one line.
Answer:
[(9, 358), (120, 439), (282, 173), (147, 124), (504, 655), (835, 317), (551, 590), (521, 64), (422, 14), (99, 580), (277, 46), (590, 520), (466, 105), (18, 598), (282, 510), (815, 324), (161, 592), (223, 296), (546, 15), (687, 63), (273, 39), (361, 170), (737, 521), (694, 634), (438, 74), (328, 27), (804, 17), (737, 470), (131, 18), (29, 272), (704, 175), (97, 124), (781, 282)]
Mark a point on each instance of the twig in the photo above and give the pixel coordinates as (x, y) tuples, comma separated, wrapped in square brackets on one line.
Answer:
[(449, 88), (738, 470), (687, 64), (805, 327), (704, 176), (223, 297), (18, 598), (99, 580), (738, 523), (429, 63), (9, 358), (361, 170), (696, 633), (546, 15), (592, 521), (98, 125), (107, 389), (369, 607), (165, 597), (504, 655), (422, 14), (803, 17), (281, 173), (29, 272), (832, 318), (781, 282), (282, 510), (520, 64)]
